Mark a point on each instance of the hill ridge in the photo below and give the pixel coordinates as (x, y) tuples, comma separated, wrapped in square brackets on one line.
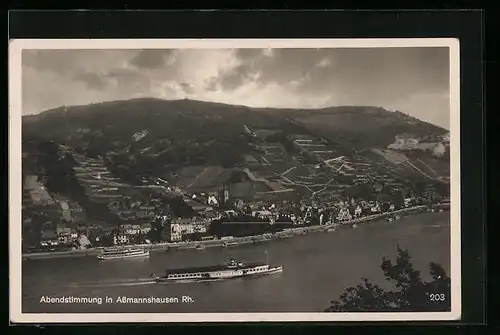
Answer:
[(327, 109)]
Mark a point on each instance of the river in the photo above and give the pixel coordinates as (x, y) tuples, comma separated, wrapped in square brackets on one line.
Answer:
[(317, 269)]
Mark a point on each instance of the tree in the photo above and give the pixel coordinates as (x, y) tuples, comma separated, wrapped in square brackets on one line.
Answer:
[(410, 293), (154, 235), (362, 191), (157, 224), (398, 200)]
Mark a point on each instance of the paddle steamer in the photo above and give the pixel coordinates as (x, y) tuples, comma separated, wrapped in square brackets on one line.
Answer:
[(123, 253), (231, 270)]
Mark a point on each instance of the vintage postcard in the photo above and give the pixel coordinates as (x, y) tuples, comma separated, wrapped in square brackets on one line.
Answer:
[(234, 180)]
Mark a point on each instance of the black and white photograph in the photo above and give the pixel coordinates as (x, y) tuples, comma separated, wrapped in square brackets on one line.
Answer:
[(234, 180)]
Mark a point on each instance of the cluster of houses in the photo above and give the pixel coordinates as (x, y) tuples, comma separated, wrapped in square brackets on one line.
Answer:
[(303, 213), (47, 218), (181, 229), (66, 236), (138, 215), (127, 232), (437, 146), (62, 235), (198, 226), (130, 209)]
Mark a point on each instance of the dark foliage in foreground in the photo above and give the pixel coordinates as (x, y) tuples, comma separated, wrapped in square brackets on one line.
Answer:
[(410, 293)]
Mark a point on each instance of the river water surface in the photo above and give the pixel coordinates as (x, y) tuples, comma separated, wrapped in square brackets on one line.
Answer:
[(317, 268)]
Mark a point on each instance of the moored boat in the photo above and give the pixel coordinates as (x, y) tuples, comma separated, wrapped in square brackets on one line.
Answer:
[(231, 270), (123, 253), (259, 240), (230, 244), (200, 247), (332, 227)]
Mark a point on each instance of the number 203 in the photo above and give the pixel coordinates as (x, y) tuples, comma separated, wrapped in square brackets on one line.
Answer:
[(437, 297)]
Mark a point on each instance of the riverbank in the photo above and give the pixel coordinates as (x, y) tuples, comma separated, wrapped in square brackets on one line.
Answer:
[(317, 269), (236, 241)]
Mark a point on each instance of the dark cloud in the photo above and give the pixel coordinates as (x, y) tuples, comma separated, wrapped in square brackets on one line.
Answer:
[(187, 87), (123, 76), (234, 78), (410, 79), (371, 74), (151, 58), (211, 84), (59, 61), (280, 66)]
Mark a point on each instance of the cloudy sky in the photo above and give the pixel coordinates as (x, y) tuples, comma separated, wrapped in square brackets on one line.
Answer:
[(412, 80)]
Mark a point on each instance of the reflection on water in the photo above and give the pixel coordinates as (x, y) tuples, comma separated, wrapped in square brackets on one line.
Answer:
[(317, 269)]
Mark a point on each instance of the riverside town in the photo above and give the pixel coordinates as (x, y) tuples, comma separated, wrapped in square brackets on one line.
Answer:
[(231, 178), (76, 201)]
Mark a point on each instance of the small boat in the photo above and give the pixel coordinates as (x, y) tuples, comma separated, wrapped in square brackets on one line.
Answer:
[(123, 253), (355, 225), (229, 244), (231, 270), (200, 247)]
